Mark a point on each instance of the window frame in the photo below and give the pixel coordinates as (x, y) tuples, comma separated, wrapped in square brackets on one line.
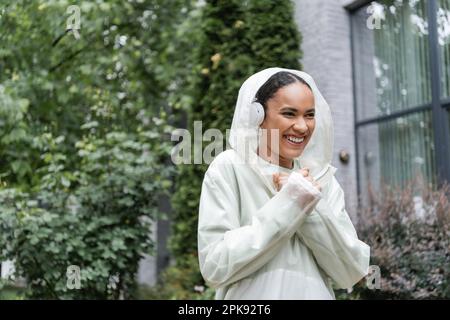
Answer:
[(440, 108)]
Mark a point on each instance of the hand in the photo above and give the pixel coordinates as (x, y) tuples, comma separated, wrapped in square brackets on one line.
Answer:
[(280, 179), (305, 173)]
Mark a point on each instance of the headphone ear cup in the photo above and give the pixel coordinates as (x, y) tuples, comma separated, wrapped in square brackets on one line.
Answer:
[(256, 114)]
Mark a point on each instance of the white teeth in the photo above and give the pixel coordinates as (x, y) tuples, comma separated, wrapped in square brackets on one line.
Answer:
[(294, 139)]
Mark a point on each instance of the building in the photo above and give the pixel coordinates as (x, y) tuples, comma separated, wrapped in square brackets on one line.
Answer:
[(384, 68)]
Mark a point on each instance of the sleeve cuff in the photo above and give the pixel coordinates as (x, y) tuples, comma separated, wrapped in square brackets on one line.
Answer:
[(301, 189)]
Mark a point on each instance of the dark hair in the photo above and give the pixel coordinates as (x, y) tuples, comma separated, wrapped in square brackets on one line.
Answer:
[(275, 82)]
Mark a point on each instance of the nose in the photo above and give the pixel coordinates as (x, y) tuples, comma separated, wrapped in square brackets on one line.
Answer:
[(300, 125)]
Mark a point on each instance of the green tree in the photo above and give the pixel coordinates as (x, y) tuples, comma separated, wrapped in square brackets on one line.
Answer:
[(118, 73)]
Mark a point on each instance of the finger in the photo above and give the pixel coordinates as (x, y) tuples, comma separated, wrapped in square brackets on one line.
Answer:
[(276, 181), (304, 172), (275, 177)]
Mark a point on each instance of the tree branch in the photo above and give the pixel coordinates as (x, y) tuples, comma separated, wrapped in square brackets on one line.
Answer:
[(67, 59), (55, 42)]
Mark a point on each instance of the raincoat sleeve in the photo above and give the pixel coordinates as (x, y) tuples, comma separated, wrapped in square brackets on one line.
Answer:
[(229, 251), (331, 236)]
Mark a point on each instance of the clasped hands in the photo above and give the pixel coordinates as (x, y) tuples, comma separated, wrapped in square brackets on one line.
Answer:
[(281, 178)]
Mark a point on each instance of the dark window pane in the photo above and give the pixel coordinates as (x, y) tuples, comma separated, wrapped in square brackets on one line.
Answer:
[(392, 69), (396, 152), (444, 44)]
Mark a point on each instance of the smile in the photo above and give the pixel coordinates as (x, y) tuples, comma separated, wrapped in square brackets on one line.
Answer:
[(294, 140)]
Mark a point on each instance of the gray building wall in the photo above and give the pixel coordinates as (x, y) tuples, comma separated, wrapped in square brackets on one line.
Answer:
[(147, 271), (326, 46), (151, 266)]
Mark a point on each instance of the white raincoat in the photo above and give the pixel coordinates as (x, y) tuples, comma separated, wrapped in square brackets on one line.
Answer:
[(257, 243)]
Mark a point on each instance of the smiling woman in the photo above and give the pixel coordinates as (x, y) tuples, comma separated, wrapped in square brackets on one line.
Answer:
[(288, 103), (275, 226)]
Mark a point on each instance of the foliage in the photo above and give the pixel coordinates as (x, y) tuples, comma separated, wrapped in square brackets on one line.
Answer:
[(96, 216), (409, 236), (10, 293), (51, 82), (83, 138)]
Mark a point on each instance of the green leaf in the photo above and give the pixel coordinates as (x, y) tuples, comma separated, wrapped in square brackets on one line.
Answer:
[(89, 125)]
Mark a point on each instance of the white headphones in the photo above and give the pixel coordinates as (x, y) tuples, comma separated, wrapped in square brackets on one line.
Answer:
[(256, 116)]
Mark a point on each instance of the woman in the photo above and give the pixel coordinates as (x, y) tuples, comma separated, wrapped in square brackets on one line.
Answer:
[(272, 218)]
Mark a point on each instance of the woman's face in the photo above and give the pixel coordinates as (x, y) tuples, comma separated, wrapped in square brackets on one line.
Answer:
[(291, 111)]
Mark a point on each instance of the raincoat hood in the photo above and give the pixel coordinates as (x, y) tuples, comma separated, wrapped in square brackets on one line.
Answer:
[(317, 154)]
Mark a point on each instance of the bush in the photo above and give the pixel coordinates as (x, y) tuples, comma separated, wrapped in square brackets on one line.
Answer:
[(96, 216), (409, 236)]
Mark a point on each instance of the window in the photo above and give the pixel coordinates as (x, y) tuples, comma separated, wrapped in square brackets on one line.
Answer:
[(398, 56), (392, 63), (448, 117), (396, 151), (443, 18)]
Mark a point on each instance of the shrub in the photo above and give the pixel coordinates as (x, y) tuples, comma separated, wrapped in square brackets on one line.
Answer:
[(96, 216), (409, 236)]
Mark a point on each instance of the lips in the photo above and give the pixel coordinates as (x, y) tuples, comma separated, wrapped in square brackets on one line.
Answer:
[(294, 140)]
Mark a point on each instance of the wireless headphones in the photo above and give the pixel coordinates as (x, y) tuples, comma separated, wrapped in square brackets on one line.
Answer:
[(256, 116)]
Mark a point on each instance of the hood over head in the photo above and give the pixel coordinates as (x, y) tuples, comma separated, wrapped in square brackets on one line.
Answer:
[(317, 154)]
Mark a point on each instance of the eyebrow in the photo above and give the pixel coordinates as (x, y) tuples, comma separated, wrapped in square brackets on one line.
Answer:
[(295, 110)]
